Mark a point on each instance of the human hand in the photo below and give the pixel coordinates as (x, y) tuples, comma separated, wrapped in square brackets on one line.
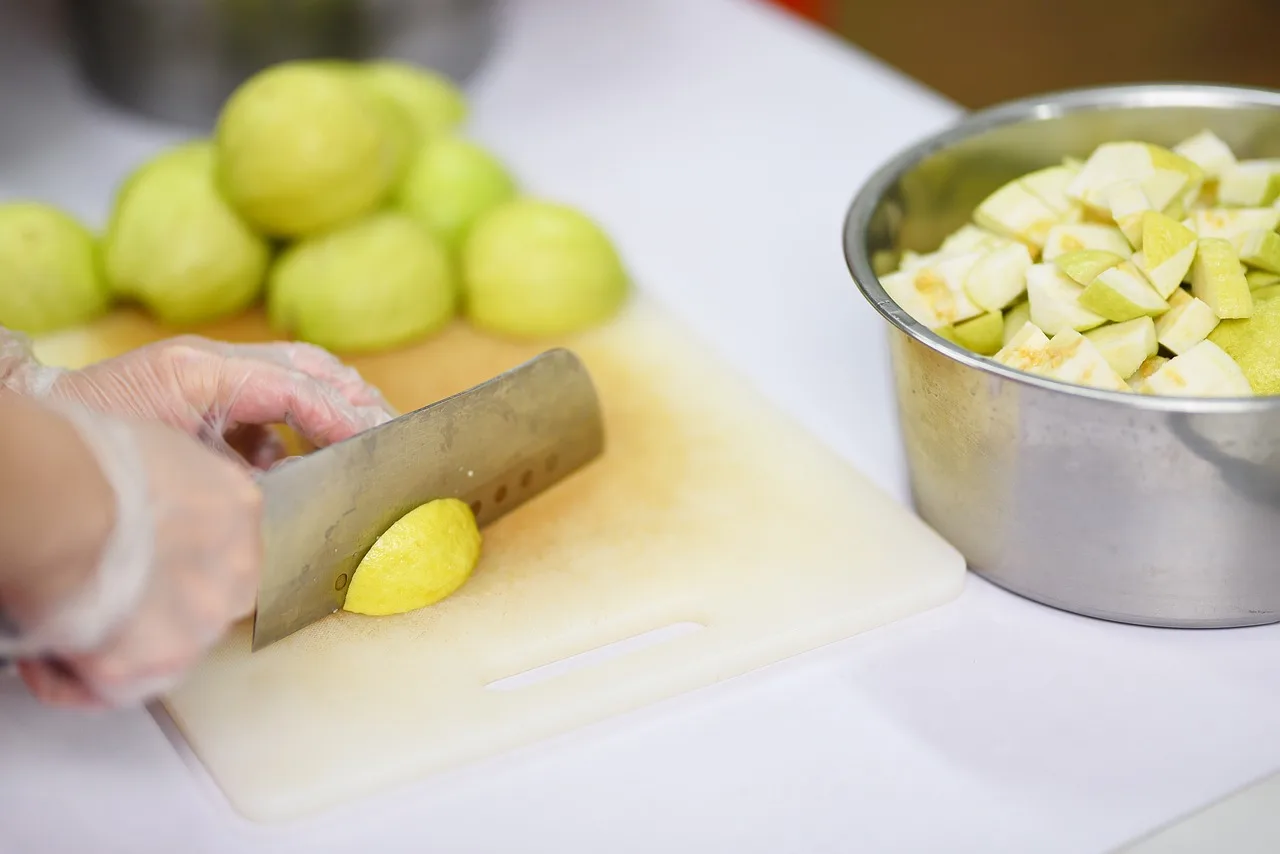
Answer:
[(224, 395), (179, 565), (19, 370), (227, 395)]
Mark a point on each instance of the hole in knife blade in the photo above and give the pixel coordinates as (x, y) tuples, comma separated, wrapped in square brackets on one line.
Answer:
[(501, 495), (592, 657), (475, 508), (526, 479)]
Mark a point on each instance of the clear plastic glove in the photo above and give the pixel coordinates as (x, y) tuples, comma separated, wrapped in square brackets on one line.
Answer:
[(179, 566), (19, 369), (186, 535), (226, 395)]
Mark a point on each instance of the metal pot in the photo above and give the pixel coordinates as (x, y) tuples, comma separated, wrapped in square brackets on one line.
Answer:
[(1147, 510), (178, 60)]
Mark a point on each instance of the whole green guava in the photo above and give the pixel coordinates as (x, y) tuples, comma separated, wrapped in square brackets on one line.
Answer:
[(430, 101), (303, 147), (533, 269), (176, 246), (50, 271), (452, 182), (378, 283)]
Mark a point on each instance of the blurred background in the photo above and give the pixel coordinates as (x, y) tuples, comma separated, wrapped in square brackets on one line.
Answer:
[(179, 59), (983, 51)]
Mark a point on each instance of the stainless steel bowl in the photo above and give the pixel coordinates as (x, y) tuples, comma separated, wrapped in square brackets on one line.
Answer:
[(1156, 511), (178, 60)]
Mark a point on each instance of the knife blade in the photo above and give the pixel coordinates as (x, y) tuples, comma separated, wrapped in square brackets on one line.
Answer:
[(495, 446)]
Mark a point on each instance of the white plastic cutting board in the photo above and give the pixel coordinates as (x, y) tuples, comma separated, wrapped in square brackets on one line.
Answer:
[(1246, 821), (708, 509)]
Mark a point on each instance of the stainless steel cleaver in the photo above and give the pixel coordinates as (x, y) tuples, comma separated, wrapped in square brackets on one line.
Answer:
[(494, 446)]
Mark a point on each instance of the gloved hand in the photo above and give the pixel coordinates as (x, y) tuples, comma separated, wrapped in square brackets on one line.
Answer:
[(225, 395), (19, 369), (179, 566), (186, 535)]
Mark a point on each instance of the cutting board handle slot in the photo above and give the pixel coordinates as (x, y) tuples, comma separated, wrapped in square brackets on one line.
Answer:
[(593, 657)]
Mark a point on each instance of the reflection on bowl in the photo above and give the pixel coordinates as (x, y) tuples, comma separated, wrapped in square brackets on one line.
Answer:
[(179, 60)]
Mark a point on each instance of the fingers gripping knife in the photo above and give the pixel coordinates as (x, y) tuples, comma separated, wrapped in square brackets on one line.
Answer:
[(494, 446)]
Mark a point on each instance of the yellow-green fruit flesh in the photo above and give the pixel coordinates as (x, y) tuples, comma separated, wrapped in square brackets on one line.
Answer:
[(983, 334), (1254, 343), (425, 557)]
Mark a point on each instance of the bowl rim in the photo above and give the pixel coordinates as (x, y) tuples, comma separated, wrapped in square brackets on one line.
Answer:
[(1039, 107)]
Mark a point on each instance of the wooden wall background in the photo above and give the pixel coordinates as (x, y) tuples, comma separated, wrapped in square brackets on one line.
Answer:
[(978, 52)]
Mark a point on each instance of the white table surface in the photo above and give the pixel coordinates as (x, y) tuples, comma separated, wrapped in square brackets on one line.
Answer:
[(721, 142)]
